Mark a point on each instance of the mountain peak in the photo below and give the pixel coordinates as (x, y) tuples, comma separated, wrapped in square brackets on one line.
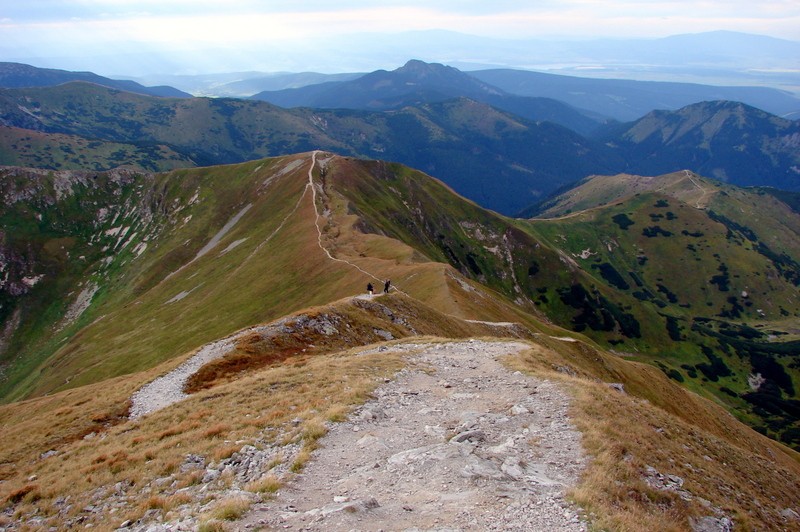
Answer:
[(417, 65), (417, 69)]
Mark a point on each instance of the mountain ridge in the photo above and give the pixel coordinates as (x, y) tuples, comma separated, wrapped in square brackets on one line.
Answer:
[(420, 82), (461, 141), (19, 75), (729, 141)]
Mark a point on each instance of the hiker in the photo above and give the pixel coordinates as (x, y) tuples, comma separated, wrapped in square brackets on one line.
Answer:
[(386, 286), (369, 288)]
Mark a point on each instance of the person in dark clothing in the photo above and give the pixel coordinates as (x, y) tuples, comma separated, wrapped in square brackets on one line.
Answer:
[(386, 286), (369, 288)]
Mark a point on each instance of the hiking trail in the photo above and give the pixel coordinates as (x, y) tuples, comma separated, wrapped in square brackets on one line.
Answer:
[(455, 441)]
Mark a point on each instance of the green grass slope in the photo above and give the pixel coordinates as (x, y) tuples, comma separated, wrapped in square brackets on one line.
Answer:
[(136, 269), (710, 271), (54, 151)]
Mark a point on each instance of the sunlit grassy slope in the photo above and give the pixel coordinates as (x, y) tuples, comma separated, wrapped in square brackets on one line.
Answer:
[(159, 292), (725, 466)]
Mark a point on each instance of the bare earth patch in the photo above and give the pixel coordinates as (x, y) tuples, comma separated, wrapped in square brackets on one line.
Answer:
[(457, 442)]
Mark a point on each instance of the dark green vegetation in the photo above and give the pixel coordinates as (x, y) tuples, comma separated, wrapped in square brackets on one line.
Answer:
[(714, 288), (34, 149)]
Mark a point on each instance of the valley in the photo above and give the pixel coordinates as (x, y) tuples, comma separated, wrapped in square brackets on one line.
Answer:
[(503, 150)]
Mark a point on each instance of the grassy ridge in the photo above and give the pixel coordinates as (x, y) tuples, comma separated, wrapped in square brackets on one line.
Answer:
[(155, 300)]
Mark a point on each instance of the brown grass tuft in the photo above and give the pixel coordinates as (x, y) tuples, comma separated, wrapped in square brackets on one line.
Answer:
[(27, 493), (211, 525), (216, 430), (225, 451), (231, 509), (266, 484)]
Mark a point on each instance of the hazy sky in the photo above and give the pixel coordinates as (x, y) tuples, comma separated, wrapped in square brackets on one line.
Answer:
[(86, 28)]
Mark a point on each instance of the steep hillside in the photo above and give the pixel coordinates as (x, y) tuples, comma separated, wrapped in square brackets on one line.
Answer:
[(172, 260), (728, 141), (716, 266), (499, 160)]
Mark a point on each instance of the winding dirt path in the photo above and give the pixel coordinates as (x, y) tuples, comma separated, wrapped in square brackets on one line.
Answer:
[(455, 442), (319, 230), (700, 200)]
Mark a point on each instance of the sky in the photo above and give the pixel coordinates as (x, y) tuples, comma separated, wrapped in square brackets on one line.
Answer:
[(84, 32)]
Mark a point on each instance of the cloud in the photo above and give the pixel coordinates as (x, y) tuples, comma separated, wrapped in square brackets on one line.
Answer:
[(505, 18), (83, 28)]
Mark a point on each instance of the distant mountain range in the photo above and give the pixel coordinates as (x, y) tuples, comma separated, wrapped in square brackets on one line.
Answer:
[(627, 100), (17, 75), (496, 158), (524, 93)]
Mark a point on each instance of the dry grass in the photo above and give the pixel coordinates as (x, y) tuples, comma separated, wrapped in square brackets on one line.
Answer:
[(137, 452), (266, 484), (656, 424), (211, 525), (749, 477), (230, 509)]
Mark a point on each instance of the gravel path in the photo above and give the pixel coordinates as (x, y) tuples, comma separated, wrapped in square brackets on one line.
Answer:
[(168, 389), (455, 442)]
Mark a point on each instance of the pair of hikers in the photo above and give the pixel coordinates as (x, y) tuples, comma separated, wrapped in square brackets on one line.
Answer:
[(386, 285)]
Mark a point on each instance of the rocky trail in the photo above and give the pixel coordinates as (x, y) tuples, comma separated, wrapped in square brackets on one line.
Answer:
[(455, 442)]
